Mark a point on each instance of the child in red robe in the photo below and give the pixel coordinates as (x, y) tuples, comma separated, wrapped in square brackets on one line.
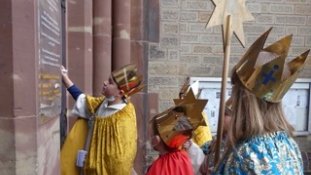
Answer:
[(170, 130)]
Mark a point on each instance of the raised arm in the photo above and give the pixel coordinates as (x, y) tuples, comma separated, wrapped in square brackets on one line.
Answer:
[(72, 88), (65, 78)]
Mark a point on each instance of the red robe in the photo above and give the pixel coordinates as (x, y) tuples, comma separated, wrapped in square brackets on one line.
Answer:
[(172, 163)]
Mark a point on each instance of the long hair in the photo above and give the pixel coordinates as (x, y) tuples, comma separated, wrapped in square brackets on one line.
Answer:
[(252, 116)]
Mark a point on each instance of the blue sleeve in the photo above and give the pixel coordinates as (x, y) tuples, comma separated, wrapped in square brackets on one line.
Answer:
[(74, 91)]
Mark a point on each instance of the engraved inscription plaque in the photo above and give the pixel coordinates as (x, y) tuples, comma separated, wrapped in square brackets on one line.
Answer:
[(50, 57)]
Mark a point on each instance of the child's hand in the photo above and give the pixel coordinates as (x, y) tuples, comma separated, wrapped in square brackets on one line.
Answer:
[(65, 78), (63, 70)]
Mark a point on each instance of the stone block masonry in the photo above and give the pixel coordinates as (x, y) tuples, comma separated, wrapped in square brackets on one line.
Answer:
[(187, 48)]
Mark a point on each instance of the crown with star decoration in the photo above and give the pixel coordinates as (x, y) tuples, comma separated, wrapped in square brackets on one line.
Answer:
[(178, 122), (196, 115), (187, 86), (173, 125), (265, 72)]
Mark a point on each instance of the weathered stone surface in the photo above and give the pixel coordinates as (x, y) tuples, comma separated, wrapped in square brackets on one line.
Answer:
[(198, 51), (156, 53)]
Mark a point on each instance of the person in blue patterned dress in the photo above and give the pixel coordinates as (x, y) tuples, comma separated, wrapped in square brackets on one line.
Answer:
[(259, 137)]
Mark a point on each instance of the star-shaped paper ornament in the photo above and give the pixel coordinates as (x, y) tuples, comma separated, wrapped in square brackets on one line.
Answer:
[(195, 115), (238, 12)]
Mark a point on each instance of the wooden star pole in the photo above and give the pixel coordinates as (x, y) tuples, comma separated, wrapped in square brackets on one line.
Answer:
[(227, 51), (225, 12)]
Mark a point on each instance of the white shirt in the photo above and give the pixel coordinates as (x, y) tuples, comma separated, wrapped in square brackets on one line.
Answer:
[(104, 110), (196, 155)]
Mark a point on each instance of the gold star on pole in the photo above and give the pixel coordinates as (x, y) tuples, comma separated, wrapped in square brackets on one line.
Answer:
[(238, 12), (195, 115)]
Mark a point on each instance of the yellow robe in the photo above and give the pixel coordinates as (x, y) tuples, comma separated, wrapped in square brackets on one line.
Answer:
[(113, 144), (202, 134)]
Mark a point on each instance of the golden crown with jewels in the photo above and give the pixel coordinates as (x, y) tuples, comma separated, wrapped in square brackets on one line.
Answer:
[(264, 72), (128, 80)]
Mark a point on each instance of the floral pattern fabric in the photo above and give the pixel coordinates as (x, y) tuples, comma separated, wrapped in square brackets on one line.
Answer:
[(271, 154)]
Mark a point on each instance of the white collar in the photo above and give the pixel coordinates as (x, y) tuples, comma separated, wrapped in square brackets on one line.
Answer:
[(118, 106)]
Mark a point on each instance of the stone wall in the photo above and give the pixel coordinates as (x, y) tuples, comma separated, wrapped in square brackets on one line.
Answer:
[(186, 48)]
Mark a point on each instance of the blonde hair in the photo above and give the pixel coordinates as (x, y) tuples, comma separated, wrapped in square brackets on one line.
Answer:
[(252, 116)]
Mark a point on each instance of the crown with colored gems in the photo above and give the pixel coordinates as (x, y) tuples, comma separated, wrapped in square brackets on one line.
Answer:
[(264, 72), (127, 80)]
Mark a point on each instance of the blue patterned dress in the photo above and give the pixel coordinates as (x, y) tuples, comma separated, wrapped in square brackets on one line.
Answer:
[(271, 154)]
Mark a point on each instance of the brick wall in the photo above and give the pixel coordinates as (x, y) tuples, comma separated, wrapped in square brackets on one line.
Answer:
[(186, 48)]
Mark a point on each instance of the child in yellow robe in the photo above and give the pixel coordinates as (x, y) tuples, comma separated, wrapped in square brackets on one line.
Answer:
[(112, 146)]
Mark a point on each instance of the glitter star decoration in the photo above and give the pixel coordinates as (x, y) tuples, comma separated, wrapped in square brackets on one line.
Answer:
[(238, 12)]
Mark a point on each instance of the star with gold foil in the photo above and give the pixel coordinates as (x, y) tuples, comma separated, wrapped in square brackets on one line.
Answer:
[(195, 113), (238, 12)]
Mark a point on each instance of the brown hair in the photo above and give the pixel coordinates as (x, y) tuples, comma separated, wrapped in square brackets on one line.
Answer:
[(252, 116)]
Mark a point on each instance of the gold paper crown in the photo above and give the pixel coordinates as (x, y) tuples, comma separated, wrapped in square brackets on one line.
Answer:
[(127, 80), (173, 125), (186, 88), (196, 115), (202, 133), (263, 71)]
